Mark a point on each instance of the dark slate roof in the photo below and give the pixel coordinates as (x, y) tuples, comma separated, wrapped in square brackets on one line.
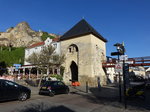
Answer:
[(81, 28)]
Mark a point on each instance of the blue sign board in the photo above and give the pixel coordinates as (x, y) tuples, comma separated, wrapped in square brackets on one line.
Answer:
[(17, 66)]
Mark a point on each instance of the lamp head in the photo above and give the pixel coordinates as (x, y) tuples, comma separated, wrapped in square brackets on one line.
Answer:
[(118, 45)]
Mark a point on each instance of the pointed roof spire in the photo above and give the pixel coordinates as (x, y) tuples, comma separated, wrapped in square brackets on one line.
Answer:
[(81, 28)]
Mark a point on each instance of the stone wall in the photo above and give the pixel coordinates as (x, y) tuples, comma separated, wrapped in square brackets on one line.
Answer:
[(91, 50)]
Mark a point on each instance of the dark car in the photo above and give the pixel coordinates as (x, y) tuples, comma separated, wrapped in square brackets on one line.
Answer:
[(10, 91), (136, 79), (53, 87), (148, 84)]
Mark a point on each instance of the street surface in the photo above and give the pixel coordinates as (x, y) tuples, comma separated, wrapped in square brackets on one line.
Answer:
[(105, 100)]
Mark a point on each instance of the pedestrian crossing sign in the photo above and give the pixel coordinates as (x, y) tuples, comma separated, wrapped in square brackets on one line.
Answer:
[(118, 67)]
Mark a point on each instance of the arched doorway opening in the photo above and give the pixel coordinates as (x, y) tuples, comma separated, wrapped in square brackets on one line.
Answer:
[(73, 48), (74, 71)]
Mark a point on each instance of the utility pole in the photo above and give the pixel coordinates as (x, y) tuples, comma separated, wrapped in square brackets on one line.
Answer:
[(121, 51), (124, 78), (118, 53), (120, 99)]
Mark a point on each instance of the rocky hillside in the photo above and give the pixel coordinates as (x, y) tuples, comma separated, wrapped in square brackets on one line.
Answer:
[(20, 36)]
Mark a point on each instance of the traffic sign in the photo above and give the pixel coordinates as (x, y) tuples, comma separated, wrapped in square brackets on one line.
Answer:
[(115, 53), (118, 67), (124, 57), (17, 66)]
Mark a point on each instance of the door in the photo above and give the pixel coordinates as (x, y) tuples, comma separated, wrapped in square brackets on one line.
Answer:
[(1, 90), (55, 87), (62, 87), (58, 87), (11, 90), (74, 71)]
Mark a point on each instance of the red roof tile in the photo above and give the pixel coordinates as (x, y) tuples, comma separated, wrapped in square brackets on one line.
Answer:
[(56, 39), (42, 43), (36, 44)]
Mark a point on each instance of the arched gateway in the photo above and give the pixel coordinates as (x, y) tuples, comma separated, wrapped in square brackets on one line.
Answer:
[(84, 50), (74, 71)]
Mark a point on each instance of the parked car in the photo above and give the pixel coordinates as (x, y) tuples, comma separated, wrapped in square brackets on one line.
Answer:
[(10, 90), (136, 79), (53, 87), (148, 84), (136, 89)]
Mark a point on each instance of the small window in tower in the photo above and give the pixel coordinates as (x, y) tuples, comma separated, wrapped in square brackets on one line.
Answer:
[(96, 46), (70, 49)]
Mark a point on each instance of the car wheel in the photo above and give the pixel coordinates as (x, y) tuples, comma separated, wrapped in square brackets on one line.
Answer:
[(52, 93), (67, 91), (40, 93), (23, 96)]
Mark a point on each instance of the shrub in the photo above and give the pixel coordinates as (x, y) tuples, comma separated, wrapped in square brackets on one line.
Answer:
[(16, 55), (45, 35), (58, 77)]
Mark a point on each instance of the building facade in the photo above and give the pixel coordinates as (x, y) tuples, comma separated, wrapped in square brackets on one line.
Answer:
[(84, 49), (36, 48)]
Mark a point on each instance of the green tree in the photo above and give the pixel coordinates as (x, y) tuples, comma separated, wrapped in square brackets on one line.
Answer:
[(45, 35), (34, 58), (46, 58), (58, 60)]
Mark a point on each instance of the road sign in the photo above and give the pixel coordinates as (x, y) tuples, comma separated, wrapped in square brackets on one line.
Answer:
[(118, 67), (124, 57), (115, 53), (126, 72), (17, 66)]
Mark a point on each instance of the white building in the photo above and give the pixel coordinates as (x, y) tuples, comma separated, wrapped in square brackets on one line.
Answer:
[(112, 75), (148, 72), (35, 48), (138, 71)]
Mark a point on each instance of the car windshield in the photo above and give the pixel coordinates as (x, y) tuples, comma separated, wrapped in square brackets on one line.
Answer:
[(47, 83)]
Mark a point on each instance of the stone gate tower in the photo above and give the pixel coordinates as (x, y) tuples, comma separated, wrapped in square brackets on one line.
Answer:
[(84, 49)]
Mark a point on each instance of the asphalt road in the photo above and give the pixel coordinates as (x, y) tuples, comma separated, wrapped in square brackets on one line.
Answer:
[(74, 102), (58, 103)]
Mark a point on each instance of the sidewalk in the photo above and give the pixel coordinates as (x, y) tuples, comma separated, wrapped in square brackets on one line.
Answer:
[(109, 96), (34, 90), (109, 91)]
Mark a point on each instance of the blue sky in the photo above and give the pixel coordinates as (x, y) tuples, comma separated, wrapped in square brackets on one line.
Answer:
[(115, 20)]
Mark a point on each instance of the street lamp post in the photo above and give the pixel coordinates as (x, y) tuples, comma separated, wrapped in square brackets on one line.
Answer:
[(124, 78), (118, 47), (121, 51)]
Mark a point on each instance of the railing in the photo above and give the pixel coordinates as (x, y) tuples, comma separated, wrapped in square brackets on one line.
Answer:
[(137, 61)]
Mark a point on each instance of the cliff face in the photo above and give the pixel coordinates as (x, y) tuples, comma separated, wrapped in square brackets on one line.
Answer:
[(20, 36)]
